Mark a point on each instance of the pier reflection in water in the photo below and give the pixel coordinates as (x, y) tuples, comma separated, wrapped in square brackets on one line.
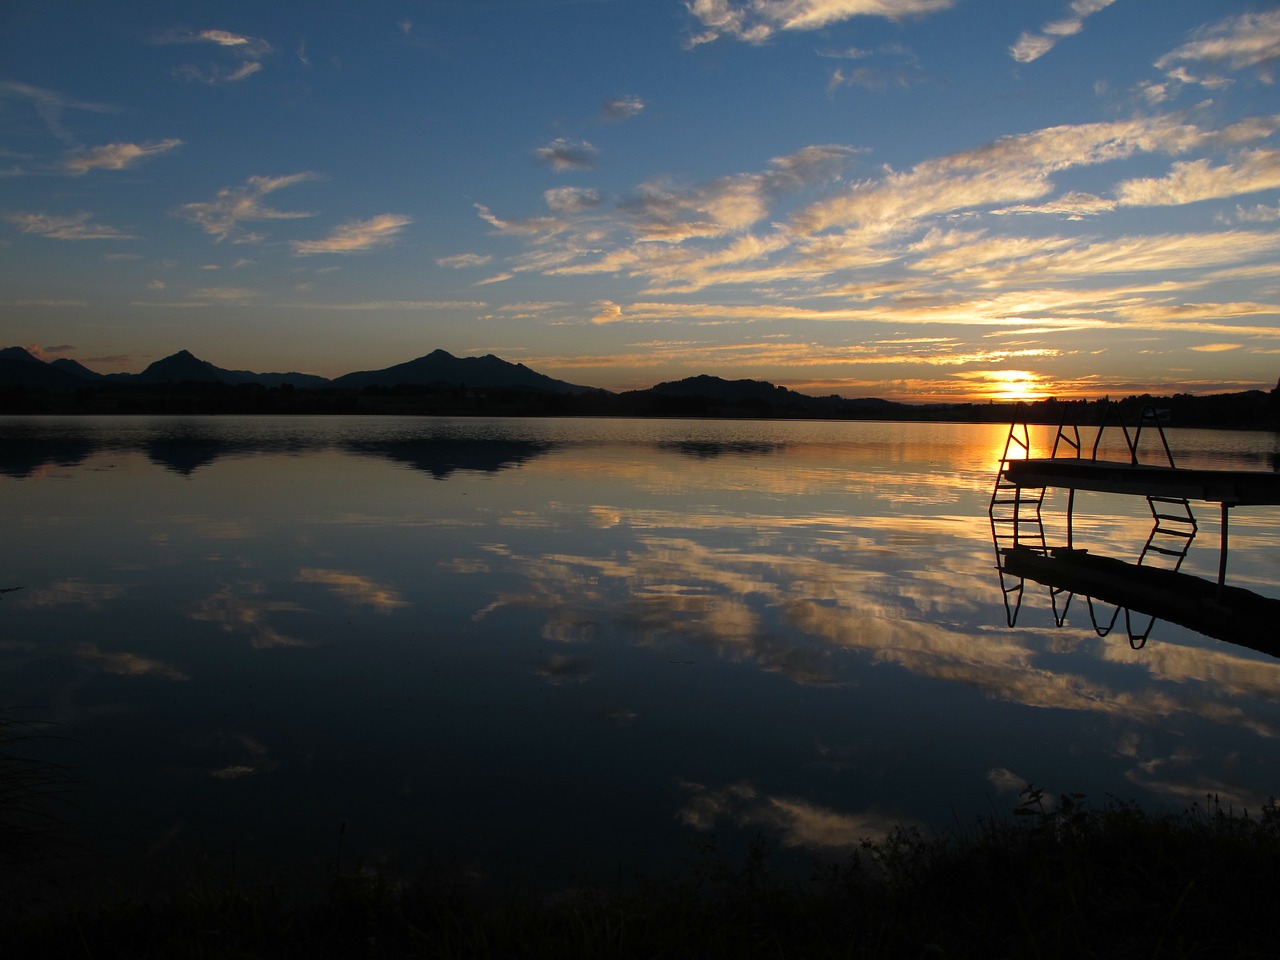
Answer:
[(556, 646)]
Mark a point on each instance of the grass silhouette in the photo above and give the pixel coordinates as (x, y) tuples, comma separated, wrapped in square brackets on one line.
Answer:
[(1057, 878)]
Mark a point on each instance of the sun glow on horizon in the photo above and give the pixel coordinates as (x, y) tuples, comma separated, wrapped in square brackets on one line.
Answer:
[(1011, 386)]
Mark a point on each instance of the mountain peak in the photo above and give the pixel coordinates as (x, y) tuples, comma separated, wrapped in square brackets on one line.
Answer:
[(442, 369), (17, 353)]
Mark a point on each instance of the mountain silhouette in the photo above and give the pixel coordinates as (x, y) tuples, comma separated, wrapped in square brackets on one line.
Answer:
[(442, 369), (695, 393), (18, 368), (75, 368), (184, 367)]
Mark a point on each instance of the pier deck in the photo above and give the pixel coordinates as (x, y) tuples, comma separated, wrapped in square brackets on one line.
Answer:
[(1232, 488)]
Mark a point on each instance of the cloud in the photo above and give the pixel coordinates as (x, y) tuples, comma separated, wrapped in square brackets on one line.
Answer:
[(49, 106), (118, 156), (607, 312), (64, 593), (400, 305), (1012, 169), (46, 353), (75, 227), (356, 236), (622, 108), (1033, 46), (248, 46), (890, 66), (798, 822), (562, 154), (249, 51), (680, 238), (1194, 180), (354, 588), (731, 204), (127, 664), (572, 199), (461, 261), (759, 20), (1072, 206), (1249, 40), (238, 609), (1259, 213), (222, 216), (231, 295)]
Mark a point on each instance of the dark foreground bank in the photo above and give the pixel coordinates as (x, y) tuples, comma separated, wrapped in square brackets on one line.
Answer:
[(1068, 880)]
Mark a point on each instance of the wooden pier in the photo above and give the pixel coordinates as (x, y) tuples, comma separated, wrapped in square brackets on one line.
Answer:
[(1232, 488), (1153, 585)]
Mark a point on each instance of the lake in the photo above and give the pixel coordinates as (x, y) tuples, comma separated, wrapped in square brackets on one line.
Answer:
[(556, 650)]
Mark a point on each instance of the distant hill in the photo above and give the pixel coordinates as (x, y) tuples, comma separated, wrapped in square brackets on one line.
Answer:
[(443, 370), (761, 396), (75, 368), (184, 367), (18, 368), (440, 384)]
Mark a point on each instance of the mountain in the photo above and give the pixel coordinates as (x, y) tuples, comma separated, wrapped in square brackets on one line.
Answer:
[(731, 391), (184, 367), (763, 396), (18, 368), (75, 368), (442, 369)]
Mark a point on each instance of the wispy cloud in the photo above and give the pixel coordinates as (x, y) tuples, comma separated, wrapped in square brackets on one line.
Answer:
[(247, 52), (892, 66), (757, 21), (462, 261), (230, 295), (622, 108), (1033, 46), (126, 664), (1249, 40), (222, 216), (49, 106), (118, 156), (75, 227), (381, 305), (681, 238), (562, 155), (354, 588), (357, 236), (1194, 180), (572, 199)]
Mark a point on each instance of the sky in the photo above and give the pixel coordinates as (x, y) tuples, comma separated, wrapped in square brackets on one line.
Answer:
[(920, 200)]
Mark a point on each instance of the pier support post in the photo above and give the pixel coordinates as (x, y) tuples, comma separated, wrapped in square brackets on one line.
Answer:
[(1222, 549)]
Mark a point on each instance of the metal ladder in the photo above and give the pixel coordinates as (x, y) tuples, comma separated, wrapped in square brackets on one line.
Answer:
[(1174, 525), (1015, 515)]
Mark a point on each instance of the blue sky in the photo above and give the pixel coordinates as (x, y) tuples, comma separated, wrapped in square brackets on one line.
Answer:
[(913, 199)]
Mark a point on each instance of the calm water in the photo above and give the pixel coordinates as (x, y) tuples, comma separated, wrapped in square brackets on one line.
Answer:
[(548, 649)]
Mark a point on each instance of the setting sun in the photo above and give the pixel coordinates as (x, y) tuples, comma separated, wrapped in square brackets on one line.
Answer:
[(1009, 386)]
